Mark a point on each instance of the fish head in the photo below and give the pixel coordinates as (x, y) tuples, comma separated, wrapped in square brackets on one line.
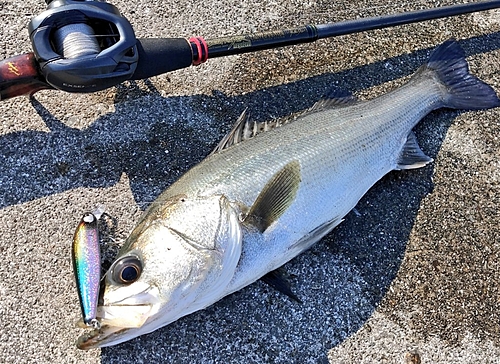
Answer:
[(178, 259)]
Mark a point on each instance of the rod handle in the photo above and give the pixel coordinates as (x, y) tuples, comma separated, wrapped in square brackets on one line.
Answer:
[(162, 55), (19, 75)]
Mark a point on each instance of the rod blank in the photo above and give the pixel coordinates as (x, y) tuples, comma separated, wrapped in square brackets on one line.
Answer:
[(225, 46)]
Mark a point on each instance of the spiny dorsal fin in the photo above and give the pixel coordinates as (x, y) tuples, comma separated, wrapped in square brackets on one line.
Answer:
[(245, 129), (277, 195), (336, 97), (411, 155), (234, 135)]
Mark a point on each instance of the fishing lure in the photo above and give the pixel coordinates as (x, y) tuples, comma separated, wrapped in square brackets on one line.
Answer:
[(86, 259)]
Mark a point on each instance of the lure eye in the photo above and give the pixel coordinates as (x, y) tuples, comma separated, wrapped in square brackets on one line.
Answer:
[(89, 218), (127, 270)]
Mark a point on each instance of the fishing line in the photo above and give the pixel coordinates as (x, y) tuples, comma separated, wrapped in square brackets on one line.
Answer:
[(76, 40)]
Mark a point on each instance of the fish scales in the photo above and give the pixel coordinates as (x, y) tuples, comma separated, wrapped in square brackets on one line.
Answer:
[(317, 142), (252, 206), (362, 145)]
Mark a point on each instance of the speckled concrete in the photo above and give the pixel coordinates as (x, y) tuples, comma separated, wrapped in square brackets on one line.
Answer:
[(411, 276)]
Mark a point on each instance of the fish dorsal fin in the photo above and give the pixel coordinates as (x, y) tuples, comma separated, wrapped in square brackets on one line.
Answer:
[(234, 135), (336, 97), (411, 155), (244, 129), (275, 198)]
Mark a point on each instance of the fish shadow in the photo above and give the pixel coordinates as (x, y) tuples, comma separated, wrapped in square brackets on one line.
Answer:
[(154, 139), (341, 280)]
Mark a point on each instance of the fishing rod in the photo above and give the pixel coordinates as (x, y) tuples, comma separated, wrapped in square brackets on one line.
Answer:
[(88, 46)]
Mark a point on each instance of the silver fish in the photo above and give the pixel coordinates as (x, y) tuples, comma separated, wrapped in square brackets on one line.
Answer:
[(255, 204)]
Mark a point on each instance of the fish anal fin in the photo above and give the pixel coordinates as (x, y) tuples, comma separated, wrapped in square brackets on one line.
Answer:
[(275, 198), (279, 282), (411, 155)]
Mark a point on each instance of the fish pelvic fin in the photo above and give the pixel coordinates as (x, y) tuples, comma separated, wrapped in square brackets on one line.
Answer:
[(277, 195), (277, 280), (411, 156), (463, 90), (315, 235)]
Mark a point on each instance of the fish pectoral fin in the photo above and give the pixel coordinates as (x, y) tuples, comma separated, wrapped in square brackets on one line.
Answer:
[(279, 282), (411, 155), (277, 195)]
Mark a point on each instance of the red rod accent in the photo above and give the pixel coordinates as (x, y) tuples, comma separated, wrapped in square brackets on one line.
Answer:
[(201, 50)]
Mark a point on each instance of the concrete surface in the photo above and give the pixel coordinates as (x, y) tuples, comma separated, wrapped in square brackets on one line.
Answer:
[(411, 276)]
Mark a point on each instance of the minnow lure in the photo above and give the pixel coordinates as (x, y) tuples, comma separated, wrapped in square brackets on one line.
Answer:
[(86, 259)]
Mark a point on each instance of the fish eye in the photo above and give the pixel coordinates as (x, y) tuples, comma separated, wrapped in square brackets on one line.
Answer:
[(127, 270)]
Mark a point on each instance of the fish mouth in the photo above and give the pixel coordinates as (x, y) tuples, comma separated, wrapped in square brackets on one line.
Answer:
[(115, 324), (97, 338), (120, 321)]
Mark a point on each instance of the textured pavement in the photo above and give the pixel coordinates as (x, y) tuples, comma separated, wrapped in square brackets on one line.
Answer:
[(411, 276)]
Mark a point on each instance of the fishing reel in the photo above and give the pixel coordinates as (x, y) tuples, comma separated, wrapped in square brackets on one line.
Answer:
[(87, 46), (83, 45)]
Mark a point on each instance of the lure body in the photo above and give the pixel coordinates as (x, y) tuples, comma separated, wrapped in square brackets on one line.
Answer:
[(87, 266)]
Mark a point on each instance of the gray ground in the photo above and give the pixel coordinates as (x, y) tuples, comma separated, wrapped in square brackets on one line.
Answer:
[(411, 276)]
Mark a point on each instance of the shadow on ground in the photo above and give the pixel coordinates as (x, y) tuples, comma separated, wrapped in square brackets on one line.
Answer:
[(154, 140)]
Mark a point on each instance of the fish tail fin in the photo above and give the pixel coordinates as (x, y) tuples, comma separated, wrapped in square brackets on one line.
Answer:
[(463, 90)]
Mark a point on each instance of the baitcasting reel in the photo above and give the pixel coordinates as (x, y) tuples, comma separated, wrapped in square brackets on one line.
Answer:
[(83, 45)]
